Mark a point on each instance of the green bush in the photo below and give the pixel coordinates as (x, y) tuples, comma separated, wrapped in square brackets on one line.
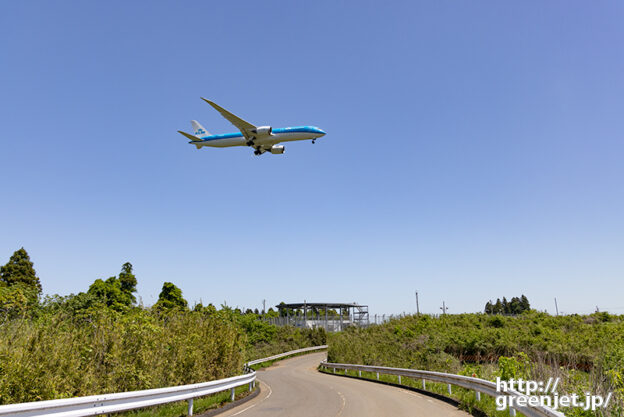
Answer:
[(586, 352), (58, 355)]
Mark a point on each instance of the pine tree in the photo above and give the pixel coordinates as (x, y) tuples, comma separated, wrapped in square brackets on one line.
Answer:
[(498, 307), (19, 271)]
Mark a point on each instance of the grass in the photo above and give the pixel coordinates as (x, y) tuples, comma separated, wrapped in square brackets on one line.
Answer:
[(61, 352), (585, 352)]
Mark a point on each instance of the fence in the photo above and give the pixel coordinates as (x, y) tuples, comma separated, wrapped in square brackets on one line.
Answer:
[(333, 324), (475, 384), (111, 403)]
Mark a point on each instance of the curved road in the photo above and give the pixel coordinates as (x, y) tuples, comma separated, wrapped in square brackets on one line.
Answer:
[(293, 387)]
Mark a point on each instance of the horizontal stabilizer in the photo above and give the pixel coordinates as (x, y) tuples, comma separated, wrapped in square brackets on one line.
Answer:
[(191, 137), (194, 139)]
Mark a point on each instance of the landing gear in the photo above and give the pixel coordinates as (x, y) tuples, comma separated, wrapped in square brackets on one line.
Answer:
[(258, 151), (313, 141), (250, 142)]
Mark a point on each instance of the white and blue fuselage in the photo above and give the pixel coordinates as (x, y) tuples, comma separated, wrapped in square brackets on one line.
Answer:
[(260, 138), (277, 135)]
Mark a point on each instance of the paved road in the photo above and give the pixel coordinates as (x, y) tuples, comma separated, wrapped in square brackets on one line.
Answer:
[(294, 387)]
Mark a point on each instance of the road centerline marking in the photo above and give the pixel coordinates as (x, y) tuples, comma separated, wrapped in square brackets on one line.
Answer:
[(344, 403)]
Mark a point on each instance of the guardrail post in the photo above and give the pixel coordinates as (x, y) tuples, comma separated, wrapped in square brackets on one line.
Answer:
[(512, 412), (149, 398), (360, 373), (424, 386), (478, 395), (334, 370), (449, 389), (377, 376), (399, 379)]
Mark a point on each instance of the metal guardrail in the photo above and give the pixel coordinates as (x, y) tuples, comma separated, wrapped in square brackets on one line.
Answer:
[(475, 384), (111, 403), (283, 355)]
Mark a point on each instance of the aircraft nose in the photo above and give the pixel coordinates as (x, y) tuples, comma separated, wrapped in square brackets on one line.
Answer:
[(321, 132)]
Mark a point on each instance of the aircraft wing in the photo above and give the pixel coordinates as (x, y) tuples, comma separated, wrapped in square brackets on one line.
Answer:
[(243, 126)]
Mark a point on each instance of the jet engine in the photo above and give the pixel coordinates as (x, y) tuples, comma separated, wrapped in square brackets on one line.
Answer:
[(277, 149), (263, 131)]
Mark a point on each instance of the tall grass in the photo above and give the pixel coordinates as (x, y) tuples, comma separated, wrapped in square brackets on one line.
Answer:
[(61, 351), (585, 352), (58, 355)]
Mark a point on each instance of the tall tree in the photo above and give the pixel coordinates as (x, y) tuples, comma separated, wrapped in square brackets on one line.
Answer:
[(19, 271), (498, 307), (128, 281), (116, 292), (515, 306), (109, 293), (170, 297)]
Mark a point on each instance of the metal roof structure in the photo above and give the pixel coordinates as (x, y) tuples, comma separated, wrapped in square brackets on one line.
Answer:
[(317, 305), (316, 315)]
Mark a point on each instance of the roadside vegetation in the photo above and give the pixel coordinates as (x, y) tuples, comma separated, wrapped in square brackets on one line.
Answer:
[(102, 341), (586, 352)]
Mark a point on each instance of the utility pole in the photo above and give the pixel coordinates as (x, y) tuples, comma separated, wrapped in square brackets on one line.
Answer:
[(556, 308), (444, 307), (417, 308), (263, 307)]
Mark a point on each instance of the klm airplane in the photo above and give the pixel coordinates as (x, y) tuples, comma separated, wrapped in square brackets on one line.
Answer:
[(261, 138)]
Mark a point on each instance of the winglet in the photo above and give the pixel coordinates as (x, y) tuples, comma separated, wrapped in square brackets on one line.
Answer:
[(214, 105)]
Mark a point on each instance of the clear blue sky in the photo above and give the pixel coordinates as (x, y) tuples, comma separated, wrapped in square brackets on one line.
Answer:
[(474, 150)]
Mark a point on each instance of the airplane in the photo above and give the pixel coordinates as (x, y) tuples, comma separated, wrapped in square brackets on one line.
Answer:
[(261, 138)]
